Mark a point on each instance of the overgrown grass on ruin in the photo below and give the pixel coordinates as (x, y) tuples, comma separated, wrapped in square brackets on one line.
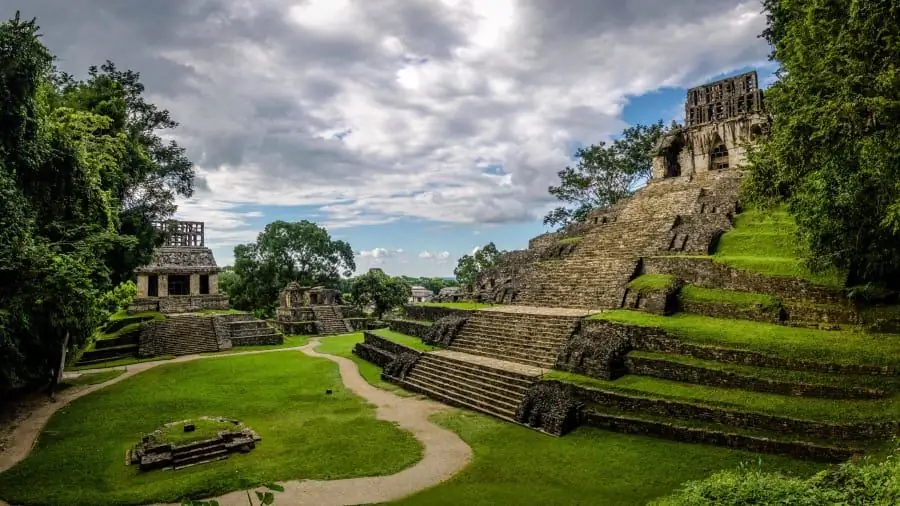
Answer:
[(652, 283), (456, 305), (848, 346), (408, 341), (732, 297), (766, 241), (766, 373), (805, 408), (80, 456)]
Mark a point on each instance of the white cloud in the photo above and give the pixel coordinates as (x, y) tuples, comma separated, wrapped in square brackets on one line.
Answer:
[(379, 111)]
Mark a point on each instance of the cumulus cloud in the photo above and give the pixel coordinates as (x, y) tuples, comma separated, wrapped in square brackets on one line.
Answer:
[(374, 111), (437, 256), (380, 253)]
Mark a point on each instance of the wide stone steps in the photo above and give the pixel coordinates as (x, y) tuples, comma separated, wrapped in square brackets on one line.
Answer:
[(330, 320), (522, 357), (458, 383)]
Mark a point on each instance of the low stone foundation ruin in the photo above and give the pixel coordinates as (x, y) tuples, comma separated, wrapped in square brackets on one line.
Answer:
[(153, 452)]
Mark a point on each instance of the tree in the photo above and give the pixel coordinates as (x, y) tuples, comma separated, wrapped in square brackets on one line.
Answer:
[(605, 173), (375, 288), (152, 172), (833, 155), (470, 266), (302, 251), (59, 217)]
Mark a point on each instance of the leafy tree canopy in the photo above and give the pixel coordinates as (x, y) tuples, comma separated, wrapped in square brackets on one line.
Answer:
[(301, 251), (67, 169), (377, 289), (470, 266), (834, 150), (605, 173)]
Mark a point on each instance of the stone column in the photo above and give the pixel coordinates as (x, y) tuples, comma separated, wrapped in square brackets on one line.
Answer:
[(142, 285), (163, 285), (213, 284), (195, 284)]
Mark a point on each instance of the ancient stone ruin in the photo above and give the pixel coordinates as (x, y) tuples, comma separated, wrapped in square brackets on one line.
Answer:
[(216, 438), (306, 310), (548, 353), (183, 275)]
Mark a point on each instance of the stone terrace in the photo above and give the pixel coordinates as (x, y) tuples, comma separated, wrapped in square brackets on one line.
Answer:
[(608, 252)]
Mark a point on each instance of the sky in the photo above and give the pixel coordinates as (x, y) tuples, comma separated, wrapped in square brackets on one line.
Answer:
[(415, 130)]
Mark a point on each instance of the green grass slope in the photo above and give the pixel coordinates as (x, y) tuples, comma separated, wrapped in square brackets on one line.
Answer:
[(79, 458)]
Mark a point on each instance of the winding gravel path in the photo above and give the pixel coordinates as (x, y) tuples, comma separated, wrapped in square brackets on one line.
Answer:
[(445, 453)]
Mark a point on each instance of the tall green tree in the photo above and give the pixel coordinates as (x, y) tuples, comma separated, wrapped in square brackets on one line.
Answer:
[(470, 266), (152, 172), (380, 291), (604, 174), (58, 216), (301, 251), (834, 150)]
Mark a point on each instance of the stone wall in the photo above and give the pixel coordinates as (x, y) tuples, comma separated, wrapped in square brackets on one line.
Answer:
[(357, 324), (743, 419), (684, 373), (191, 303), (433, 313), (796, 449), (410, 328), (297, 328), (260, 340), (380, 351), (143, 306), (715, 309), (706, 273)]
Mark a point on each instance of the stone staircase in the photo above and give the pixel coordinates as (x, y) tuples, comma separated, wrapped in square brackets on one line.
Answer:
[(330, 320), (526, 336), (180, 334), (658, 218), (253, 332), (491, 386)]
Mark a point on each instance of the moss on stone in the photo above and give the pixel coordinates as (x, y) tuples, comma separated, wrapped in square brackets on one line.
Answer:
[(652, 283), (733, 297)]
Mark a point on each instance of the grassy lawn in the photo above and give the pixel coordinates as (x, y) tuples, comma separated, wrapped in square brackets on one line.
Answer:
[(79, 458), (849, 346), (342, 346), (735, 298), (408, 341), (766, 241), (122, 315), (651, 282), (518, 466), (456, 305), (806, 408)]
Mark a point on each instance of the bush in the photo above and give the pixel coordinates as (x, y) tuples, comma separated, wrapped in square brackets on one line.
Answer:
[(866, 482)]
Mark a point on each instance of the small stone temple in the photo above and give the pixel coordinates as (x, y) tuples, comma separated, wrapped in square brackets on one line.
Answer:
[(722, 118), (183, 275), (314, 310)]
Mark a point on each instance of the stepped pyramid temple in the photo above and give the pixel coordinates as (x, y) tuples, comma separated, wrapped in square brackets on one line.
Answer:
[(578, 329), (178, 309), (315, 310)]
